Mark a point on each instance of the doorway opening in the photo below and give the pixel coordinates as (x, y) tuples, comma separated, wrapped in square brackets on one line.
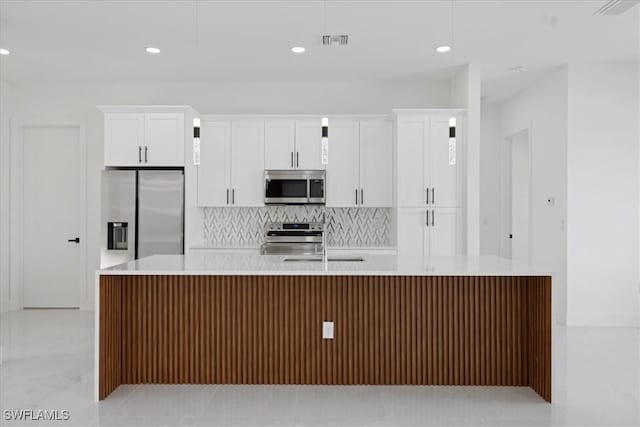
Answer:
[(516, 197)]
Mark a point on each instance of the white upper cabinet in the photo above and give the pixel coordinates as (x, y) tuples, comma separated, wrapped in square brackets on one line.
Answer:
[(214, 171), (430, 171), (343, 178), (308, 152), (445, 177), (411, 186), (123, 139), (144, 139), (360, 169), (164, 136), (247, 160), (376, 164), (231, 164), (279, 144), (293, 144)]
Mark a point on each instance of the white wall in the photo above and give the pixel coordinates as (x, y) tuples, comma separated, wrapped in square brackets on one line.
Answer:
[(490, 140), (78, 102), (603, 195), (542, 109), (466, 88), (5, 131)]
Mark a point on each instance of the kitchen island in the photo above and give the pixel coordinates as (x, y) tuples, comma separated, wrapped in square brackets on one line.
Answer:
[(251, 319)]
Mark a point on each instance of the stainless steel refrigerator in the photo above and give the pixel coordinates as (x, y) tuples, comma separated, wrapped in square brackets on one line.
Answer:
[(142, 214)]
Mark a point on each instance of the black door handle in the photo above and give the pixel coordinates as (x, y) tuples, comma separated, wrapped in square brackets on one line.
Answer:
[(76, 240)]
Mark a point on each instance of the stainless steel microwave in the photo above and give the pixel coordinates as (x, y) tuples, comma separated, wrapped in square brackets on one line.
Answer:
[(294, 187)]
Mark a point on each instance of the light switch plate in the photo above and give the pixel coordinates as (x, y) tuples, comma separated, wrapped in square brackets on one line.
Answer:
[(327, 330)]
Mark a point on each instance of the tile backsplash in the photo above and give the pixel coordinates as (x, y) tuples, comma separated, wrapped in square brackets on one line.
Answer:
[(244, 227)]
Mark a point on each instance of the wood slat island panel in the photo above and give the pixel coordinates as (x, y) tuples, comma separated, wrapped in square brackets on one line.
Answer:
[(421, 330)]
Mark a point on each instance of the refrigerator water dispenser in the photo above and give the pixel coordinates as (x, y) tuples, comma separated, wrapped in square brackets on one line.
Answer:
[(117, 236)]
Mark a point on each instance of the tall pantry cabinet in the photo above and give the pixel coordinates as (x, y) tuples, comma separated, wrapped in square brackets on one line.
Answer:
[(430, 182)]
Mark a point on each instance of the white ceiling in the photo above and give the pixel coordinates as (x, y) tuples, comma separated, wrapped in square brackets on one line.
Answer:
[(241, 41)]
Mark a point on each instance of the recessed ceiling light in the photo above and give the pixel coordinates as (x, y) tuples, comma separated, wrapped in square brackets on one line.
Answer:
[(298, 49), (4, 52), (443, 49), (152, 50)]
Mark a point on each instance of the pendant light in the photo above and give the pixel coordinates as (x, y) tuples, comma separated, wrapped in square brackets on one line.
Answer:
[(325, 140), (452, 141), (196, 141)]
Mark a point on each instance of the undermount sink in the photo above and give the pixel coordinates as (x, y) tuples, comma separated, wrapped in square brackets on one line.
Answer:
[(315, 258)]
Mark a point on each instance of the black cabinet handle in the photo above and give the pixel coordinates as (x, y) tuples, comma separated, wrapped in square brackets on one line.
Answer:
[(433, 218), (76, 240), (145, 153), (297, 159), (139, 154), (292, 160), (356, 196), (233, 196), (227, 196), (361, 196)]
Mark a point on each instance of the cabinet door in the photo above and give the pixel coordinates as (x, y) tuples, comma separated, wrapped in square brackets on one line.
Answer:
[(214, 171), (342, 170), (279, 144), (376, 164), (445, 232), (412, 232), (411, 182), (308, 155), (247, 158), (164, 137), (444, 171), (123, 139)]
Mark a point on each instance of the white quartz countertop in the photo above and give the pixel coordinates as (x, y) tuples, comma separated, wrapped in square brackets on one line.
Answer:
[(377, 265)]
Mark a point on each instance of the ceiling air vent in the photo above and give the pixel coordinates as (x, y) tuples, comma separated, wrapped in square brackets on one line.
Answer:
[(616, 7), (335, 40)]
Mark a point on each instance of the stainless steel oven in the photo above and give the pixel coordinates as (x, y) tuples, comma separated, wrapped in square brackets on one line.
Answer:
[(306, 238), (294, 187)]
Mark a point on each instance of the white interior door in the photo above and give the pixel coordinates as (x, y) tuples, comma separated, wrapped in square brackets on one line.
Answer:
[(342, 170), (52, 268), (247, 158), (520, 196)]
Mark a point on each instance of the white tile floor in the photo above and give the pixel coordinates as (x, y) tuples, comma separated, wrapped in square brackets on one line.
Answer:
[(48, 364)]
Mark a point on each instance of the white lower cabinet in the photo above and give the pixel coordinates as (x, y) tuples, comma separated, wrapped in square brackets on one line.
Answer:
[(231, 164), (430, 232)]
